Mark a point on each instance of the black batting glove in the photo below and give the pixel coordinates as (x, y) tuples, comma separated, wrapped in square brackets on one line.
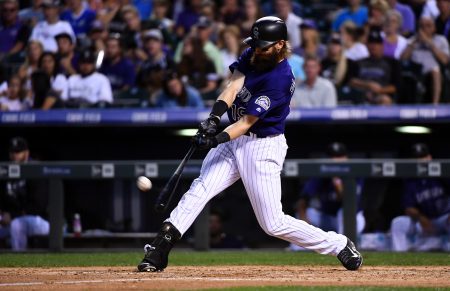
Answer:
[(209, 126), (204, 142)]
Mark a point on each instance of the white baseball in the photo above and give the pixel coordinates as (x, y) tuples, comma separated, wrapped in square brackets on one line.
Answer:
[(144, 183)]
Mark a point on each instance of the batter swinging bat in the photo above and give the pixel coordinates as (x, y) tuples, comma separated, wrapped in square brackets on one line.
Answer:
[(163, 199)]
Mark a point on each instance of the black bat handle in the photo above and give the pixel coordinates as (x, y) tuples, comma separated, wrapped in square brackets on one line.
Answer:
[(169, 189)]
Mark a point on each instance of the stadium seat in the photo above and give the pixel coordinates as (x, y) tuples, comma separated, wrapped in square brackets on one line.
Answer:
[(349, 96), (412, 88), (445, 95), (133, 97)]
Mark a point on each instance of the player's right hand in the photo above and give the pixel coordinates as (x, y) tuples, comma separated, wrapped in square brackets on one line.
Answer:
[(209, 126)]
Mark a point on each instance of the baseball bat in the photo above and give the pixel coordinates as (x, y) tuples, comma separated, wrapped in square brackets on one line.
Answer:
[(164, 197)]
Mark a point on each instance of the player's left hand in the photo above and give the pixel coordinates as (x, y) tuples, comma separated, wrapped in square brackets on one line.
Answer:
[(204, 142), (209, 126)]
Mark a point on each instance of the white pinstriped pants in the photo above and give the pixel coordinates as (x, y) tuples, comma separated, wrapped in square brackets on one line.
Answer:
[(258, 162)]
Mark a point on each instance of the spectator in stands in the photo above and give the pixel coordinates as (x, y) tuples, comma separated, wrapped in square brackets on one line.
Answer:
[(96, 38), (202, 32), (355, 12), (394, 43), (89, 88), (315, 91), (377, 14), (431, 51), (117, 68), (188, 17), (110, 15), (310, 40), (24, 201), (336, 67), (13, 32), (151, 73), (66, 54), (160, 15), (175, 93), (252, 12), (144, 7), (132, 33), (33, 53), (216, 26), (32, 15), (351, 35), (49, 64), (320, 202), (218, 238), (197, 69), (230, 12), (13, 99), (3, 81), (268, 7), (43, 96), (46, 30), (426, 202), (377, 76), (430, 9), (296, 62), (230, 47), (79, 16), (283, 9), (442, 22), (408, 25)]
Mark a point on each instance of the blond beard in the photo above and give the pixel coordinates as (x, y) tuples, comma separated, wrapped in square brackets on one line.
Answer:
[(265, 63)]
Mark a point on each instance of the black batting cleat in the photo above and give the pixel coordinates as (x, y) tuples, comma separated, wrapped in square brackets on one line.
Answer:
[(148, 263), (350, 258), (156, 255)]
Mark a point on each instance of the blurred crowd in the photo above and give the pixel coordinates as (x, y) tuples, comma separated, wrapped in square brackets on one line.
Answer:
[(158, 53)]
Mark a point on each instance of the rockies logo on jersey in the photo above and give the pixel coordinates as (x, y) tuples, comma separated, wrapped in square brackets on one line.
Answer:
[(263, 101)]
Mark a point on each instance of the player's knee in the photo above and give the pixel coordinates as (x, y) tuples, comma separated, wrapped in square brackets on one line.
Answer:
[(400, 224), (274, 229)]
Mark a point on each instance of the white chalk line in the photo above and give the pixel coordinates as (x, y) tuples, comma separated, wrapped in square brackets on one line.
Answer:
[(74, 282)]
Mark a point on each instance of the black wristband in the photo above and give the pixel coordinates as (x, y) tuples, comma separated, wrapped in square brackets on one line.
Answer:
[(218, 109), (222, 137)]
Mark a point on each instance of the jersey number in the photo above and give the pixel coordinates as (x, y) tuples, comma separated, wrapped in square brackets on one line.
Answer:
[(237, 112)]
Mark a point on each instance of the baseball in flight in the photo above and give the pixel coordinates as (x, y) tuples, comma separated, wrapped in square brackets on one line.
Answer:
[(144, 183)]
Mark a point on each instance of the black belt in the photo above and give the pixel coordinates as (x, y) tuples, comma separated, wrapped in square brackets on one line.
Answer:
[(248, 133)]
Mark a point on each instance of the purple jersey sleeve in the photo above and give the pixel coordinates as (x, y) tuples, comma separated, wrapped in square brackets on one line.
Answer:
[(243, 62)]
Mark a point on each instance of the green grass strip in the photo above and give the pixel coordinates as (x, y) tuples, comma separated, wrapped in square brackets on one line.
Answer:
[(212, 258), (322, 288)]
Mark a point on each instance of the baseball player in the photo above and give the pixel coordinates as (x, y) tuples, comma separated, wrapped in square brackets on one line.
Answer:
[(427, 209), (320, 202), (253, 149)]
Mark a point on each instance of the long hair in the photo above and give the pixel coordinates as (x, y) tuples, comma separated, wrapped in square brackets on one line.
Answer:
[(55, 60), (30, 43), (41, 85), (341, 69), (286, 51), (182, 98), (196, 60)]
